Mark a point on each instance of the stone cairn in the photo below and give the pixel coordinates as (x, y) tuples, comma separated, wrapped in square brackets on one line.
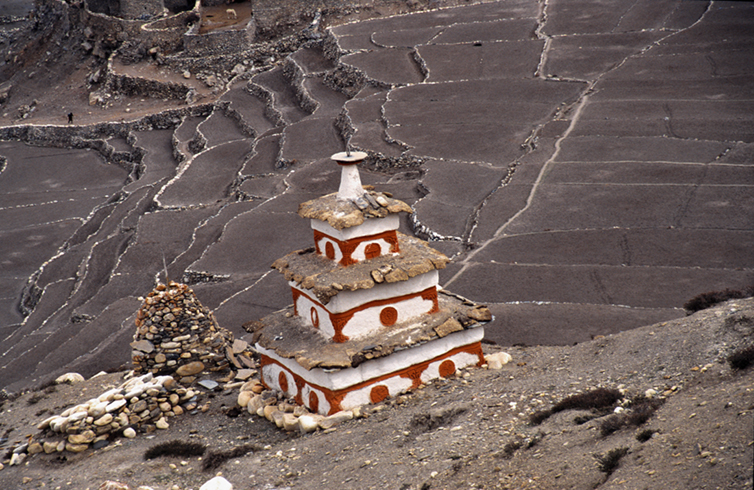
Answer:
[(143, 404), (176, 335), (176, 339)]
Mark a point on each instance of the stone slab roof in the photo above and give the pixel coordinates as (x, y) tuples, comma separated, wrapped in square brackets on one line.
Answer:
[(326, 278), (289, 337), (341, 214)]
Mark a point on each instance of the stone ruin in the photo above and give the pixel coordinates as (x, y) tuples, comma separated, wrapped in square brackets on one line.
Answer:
[(176, 335)]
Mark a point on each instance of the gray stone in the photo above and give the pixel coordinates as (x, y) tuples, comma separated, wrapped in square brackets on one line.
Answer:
[(208, 384), (143, 346)]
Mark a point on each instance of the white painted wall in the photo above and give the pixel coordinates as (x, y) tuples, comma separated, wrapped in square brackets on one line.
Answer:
[(371, 226), (376, 368)]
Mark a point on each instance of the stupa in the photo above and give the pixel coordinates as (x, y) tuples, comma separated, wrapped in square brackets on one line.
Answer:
[(368, 319)]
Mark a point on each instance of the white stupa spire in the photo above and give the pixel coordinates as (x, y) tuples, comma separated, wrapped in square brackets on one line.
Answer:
[(350, 181)]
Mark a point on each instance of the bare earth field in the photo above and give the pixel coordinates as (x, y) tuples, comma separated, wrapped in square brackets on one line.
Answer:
[(589, 167)]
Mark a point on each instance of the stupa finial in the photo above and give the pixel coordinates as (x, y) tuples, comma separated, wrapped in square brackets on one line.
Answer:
[(350, 181)]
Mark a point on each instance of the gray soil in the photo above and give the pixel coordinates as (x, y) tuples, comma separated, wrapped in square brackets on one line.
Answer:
[(469, 431)]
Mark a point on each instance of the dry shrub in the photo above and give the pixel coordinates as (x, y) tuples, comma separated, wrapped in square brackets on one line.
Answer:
[(508, 450), (641, 410), (591, 400), (539, 416), (709, 299), (215, 459), (610, 461), (645, 435), (742, 358), (175, 448)]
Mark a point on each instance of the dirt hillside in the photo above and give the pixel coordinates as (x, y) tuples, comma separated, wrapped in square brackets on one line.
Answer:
[(470, 431)]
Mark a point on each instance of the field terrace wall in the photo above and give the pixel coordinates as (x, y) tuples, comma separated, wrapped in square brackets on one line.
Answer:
[(95, 136), (127, 9), (167, 33), (219, 41), (109, 25)]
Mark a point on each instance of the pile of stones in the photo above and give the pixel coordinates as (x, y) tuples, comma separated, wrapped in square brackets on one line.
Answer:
[(142, 404), (286, 414), (176, 335)]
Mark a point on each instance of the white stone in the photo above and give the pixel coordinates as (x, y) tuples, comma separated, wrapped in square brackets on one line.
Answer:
[(162, 424), (497, 360), (129, 433), (254, 404), (309, 423), (217, 483), (46, 422), (109, 395), (76, 416), (69, 378), (17, 459), (98, 408), (336, 419), (244, 397), (116, 405)]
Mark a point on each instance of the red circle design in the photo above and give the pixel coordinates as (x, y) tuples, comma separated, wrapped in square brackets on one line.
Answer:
[(283, 382), (313, 402), (378, 393), (330, 251), (447, 368), (373, 250), (315, 317), (388, 316)]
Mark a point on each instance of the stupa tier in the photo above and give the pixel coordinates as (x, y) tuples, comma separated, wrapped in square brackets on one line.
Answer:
[(368, 320)]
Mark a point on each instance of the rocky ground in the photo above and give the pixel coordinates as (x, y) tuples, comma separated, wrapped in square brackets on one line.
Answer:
[(470, 431)]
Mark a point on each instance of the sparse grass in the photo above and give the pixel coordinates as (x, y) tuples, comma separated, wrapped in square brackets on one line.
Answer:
[(583, 419), (610, 461), (213, 460), (591, 400), (509, 449), (709, 299), (539, 416), (612, 424), (742, 358), (35, 398), (597, 398), (641, 410), (645, 435), (175, 448)]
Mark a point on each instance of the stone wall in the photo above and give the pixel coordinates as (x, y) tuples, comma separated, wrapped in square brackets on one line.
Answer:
[(219, 42), (137, 9)]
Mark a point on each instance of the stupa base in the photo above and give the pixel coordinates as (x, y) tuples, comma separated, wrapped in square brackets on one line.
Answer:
[(329, 391)]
